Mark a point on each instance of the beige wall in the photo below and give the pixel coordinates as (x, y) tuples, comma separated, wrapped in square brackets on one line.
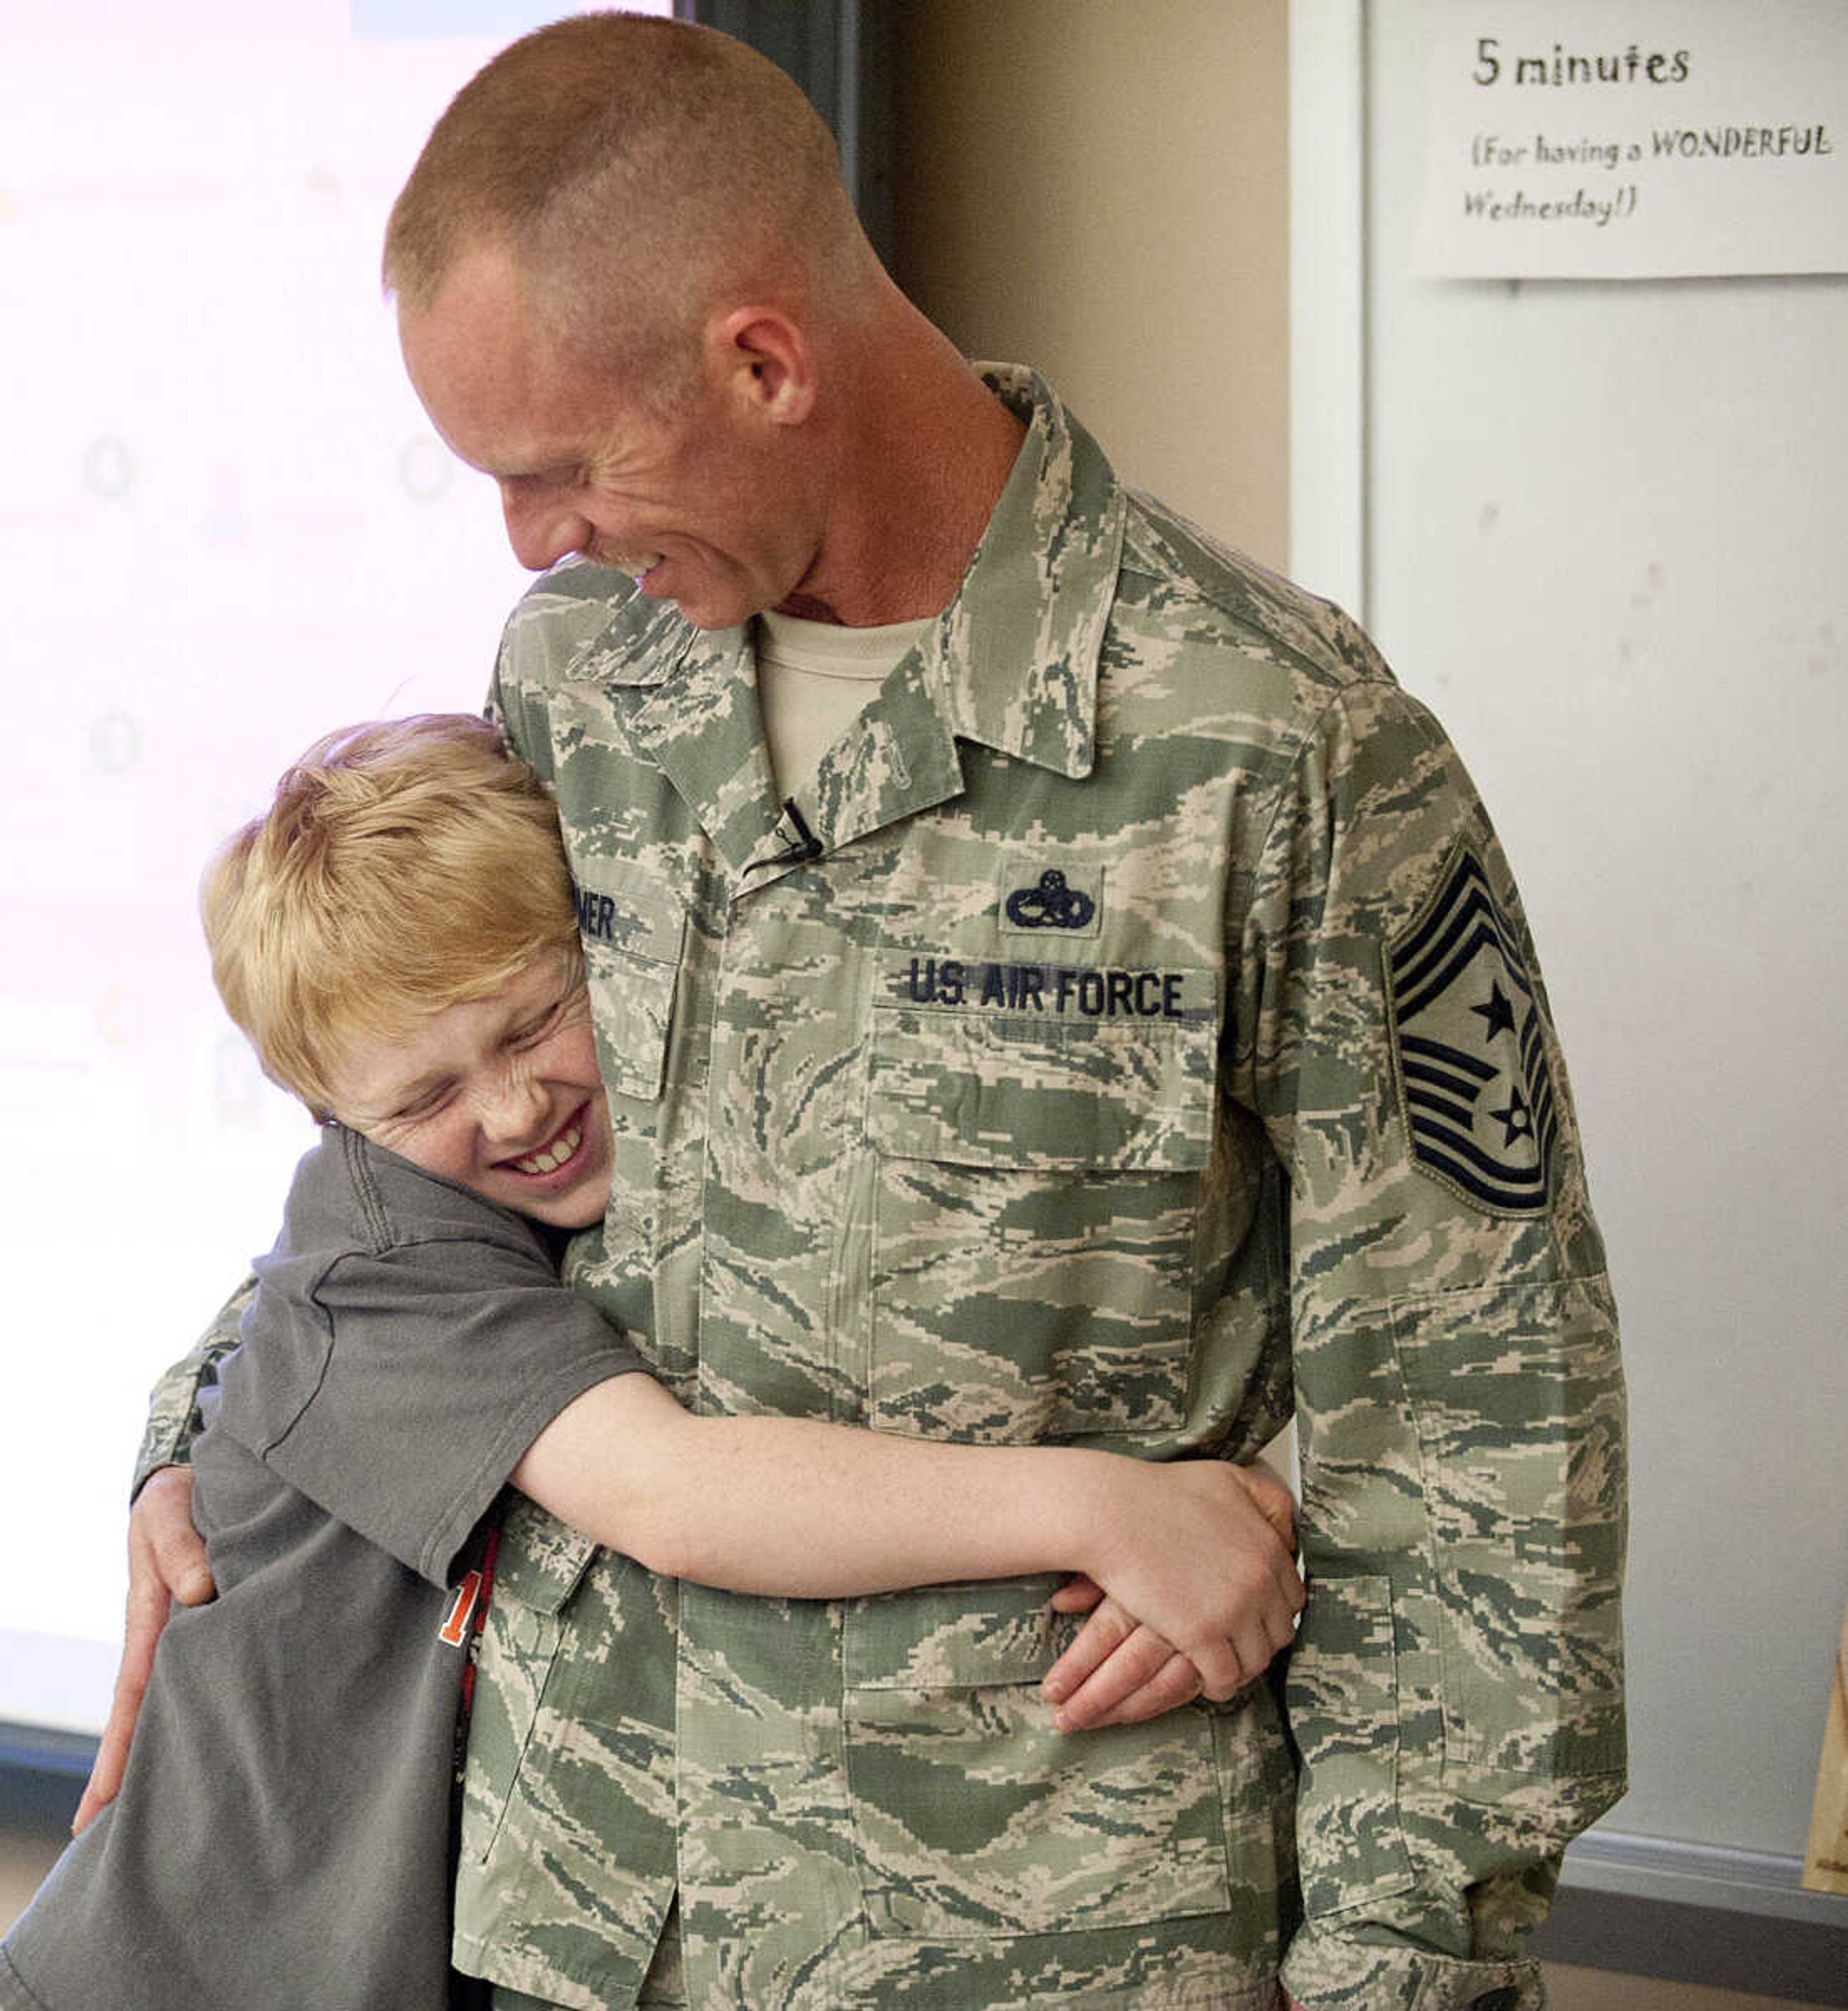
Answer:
[(1100, 187)]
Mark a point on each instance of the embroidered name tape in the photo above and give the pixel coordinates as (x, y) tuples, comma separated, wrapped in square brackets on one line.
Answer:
[(626, 915)]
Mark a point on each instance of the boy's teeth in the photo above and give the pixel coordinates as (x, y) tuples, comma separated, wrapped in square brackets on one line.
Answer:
[(554, 1155)]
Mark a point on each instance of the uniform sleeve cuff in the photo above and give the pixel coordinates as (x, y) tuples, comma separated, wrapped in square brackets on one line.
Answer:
[(171, 1448), (1325, 1971)]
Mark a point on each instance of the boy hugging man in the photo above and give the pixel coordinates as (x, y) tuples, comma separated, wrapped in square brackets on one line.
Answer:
[(398, 938)]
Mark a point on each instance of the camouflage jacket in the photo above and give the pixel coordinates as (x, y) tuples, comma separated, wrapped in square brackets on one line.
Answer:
[(1131, 1037)]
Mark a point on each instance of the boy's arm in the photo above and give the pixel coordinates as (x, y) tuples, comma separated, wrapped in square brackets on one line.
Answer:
[(806, 1510)]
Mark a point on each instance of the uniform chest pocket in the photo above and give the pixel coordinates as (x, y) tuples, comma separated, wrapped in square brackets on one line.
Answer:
[(632, 931), (1037, 1195)]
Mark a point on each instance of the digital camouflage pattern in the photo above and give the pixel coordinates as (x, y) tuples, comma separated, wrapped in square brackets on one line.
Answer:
[(174, 1415), (1063, 1088)]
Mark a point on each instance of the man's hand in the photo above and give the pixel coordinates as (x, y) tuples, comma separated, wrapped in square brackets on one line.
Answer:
[(166, 1561), (1120, 1671)]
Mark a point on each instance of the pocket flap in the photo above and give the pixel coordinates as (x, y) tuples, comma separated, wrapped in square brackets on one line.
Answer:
[(541, 1560), (955, 1636), (975, 1087)]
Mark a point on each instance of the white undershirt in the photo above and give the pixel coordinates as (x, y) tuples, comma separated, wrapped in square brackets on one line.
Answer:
[(814, 679)]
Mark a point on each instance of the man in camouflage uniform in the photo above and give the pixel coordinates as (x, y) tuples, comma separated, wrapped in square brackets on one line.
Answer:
[(1128, 1034)]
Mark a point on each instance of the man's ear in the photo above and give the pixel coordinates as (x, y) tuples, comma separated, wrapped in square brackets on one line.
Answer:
[(762, 359)]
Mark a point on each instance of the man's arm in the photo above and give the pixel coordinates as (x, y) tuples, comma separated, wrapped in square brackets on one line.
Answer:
[(175, 1416), (166, 1559), (806, 1509), (1456, 1691)]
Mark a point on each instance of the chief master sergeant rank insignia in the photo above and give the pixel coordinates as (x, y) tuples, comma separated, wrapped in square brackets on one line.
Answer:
[(1471, 1059)]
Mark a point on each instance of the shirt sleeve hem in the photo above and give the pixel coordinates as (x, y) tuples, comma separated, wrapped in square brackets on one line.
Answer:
[(438, 1558)]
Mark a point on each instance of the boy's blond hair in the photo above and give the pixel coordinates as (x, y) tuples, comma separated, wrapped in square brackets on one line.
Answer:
[(404, 867)]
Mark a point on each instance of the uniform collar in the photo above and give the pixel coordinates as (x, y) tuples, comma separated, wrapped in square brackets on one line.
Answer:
[(1012, 664), (1017, 649)]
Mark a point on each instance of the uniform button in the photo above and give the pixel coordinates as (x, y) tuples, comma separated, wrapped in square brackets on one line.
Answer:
[(1505, 2000)]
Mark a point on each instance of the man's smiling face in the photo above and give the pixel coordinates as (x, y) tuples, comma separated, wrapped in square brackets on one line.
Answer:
[(696, 499)]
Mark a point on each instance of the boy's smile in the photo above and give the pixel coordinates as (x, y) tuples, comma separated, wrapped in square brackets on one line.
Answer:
[(500, 1094), (560, 1164)]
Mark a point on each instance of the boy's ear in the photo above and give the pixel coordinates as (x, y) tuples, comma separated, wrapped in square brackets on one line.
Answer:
[(762, 358)]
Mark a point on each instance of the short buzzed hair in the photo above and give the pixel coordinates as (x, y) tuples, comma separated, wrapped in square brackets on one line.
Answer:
[(405, 866), (636, 168)]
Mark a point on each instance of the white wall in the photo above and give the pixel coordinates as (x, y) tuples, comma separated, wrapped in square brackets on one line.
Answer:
[(1606, 534), (225, 528)]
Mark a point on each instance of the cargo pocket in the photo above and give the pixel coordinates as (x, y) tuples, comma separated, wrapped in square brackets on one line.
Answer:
[(1038, 1195), (1518, 1401), (972, 1817)]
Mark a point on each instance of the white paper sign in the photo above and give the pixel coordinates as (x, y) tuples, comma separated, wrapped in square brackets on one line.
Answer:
[(1635, 138)]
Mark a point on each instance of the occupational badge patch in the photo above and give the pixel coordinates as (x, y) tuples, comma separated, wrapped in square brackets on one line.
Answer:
[(1051, 901), (1467, 1043)]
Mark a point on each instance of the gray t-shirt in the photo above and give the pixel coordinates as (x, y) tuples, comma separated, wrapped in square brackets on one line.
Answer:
[(282, 1838)]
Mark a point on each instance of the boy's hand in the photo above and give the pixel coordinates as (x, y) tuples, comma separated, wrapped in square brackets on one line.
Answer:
[(1121, 1671), (166, 1561), (1116, 1671)]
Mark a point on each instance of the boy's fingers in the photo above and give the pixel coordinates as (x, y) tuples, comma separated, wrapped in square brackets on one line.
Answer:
[(1142, 1675), (1286, 1581), (1175, 1682), (1135, 1668), (1280, 1630), (1079, 1594), (1274, 1501), (1097, 1640), (1271, 1497), (1224, 1667), (1289, 1586)]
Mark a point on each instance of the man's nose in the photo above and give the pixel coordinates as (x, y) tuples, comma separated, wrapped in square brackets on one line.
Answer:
[(542, 529)]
